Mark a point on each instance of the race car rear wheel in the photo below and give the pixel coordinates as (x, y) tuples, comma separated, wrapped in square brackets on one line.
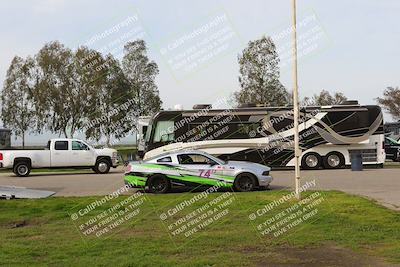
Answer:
[(245, 182), (158, 184)]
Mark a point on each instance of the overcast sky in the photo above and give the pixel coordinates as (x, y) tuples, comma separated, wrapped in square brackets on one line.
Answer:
[(347, 46)]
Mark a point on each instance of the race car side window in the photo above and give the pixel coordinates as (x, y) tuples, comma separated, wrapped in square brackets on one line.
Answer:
[(165, 159), (195, 159)]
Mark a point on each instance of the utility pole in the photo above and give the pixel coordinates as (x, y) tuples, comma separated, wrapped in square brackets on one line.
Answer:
[(296, 106)]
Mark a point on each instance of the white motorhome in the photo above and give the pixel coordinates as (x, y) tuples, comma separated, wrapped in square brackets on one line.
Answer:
[(142, 124), (328, 134)]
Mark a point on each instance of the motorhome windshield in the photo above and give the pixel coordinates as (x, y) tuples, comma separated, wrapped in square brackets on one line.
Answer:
[(148, 132), (164, 131)]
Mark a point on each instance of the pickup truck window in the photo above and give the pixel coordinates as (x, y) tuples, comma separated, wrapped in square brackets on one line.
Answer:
[(76, 145), (61, 145)]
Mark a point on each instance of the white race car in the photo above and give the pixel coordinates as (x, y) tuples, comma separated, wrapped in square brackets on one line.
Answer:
[(195, 168)]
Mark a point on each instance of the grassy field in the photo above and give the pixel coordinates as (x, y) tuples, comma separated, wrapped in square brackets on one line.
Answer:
[(346, 230)]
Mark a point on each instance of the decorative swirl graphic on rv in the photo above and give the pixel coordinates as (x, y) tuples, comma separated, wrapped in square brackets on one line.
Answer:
[(333, 137)]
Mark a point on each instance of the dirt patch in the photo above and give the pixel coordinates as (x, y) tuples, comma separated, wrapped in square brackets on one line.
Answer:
[(19, 224), (320, 256)]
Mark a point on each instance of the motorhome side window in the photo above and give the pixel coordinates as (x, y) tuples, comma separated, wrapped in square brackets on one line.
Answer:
[(164, 131), (61, 145)]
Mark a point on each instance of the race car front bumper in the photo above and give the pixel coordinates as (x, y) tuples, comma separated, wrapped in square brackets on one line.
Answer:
[(264, 180)]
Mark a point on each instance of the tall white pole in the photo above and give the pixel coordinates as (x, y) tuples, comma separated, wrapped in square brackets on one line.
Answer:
[(296, 106)]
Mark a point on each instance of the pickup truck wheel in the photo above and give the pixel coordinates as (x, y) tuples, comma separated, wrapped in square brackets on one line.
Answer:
[(22, 169), (102, 166)]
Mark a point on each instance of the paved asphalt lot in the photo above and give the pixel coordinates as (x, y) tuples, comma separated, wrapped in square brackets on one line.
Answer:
[(382, 185)]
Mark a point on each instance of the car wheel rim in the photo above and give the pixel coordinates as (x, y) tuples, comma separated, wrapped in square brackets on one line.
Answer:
[(312, 161), (246, 183), (333, 160), (103, 166), (159, 185), (22, 170)]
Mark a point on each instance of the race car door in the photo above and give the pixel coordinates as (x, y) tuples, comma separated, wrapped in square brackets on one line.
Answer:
[(199, 164)]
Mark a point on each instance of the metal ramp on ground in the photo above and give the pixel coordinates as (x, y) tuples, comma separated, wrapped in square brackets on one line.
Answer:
[(13, 192)]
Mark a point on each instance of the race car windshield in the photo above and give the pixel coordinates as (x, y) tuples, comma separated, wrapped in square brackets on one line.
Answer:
[(219, 161)]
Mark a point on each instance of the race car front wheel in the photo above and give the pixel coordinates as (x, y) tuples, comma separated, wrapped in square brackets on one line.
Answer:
[(245, 182), (159, 184)]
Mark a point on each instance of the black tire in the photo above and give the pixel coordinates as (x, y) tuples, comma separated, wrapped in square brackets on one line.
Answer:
[(22, 169), (396, 156), (245, 182), (334, 160), (158, 184), (311, 161), (102, 166)]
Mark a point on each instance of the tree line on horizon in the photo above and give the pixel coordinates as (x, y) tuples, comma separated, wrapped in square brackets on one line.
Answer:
[(259, 76), (65, 91)]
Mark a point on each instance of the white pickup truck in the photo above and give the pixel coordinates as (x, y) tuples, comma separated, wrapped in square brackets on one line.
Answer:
[(59, 153)]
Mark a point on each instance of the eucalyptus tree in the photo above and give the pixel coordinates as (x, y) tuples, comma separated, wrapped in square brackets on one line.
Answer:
[(17, 109), (259, 75), (391, 101), (66, 90), (109, 119), (324, 98), (140, 73)]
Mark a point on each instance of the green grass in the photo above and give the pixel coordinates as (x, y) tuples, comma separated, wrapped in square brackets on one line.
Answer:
[(40, 232), (391, 165)]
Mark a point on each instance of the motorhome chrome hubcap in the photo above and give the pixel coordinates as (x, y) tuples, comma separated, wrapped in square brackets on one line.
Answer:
[(103, 166), (333, 160), (311, 161)]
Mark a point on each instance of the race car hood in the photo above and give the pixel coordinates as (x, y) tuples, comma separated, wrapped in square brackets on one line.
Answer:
[(247, 165)]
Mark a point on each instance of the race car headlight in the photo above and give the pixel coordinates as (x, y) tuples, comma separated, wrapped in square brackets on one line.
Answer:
[(265, 173)]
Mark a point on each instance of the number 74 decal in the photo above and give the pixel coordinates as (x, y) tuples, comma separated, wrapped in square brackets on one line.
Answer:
[(206, 173)]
